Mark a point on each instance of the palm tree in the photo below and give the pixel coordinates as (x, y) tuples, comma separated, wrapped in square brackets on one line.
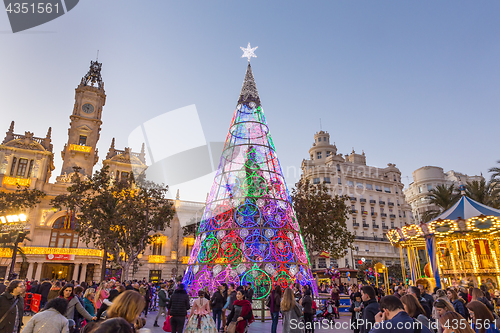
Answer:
[(444, 197), (496, 172), (484, 192), (430, 215)]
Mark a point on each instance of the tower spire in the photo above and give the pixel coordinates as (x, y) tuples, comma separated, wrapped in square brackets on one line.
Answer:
[(9, 135), (142, 155), (249, 91), (111, 151), (93, 76)]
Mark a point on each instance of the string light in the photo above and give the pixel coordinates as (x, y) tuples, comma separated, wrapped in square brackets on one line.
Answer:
[(53, 250), (13, 181), (154, 259)]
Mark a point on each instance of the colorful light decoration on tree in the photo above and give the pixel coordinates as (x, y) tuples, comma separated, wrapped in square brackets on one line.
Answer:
[(249, 232)]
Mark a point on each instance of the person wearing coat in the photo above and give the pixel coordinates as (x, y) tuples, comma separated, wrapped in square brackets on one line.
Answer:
[(307, 304), (355, 309), (51, 319), (178, 306), (44, 291), (54, 291), (162, 303), (218, 303), (12, 295), (113, 293), (291, 313), (370, 308), (241, 314), (457, 302), (88, 301), (274, 307), (73, 303)]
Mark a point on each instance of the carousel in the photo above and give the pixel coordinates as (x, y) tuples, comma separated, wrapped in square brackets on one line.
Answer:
[(459, 247)]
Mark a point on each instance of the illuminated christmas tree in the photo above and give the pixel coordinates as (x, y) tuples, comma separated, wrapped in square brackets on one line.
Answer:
[(249, 232)]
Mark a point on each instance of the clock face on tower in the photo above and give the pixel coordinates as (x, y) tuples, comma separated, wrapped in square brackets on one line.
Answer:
[(88, 108)]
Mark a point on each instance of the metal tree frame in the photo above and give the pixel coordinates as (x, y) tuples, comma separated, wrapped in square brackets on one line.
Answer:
[(249, 232)]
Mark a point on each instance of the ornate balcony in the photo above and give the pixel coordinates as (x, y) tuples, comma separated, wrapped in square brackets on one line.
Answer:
[(84, 149), (362, 200), (373, 202), (384, 215), (390, 204), (381, 203), (374, 214), (375, 226), (355, 225), (366, 225), (354, 199), (392, 216), (354, 211)]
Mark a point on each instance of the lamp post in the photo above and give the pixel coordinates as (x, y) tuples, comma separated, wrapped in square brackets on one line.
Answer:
[(15, 225)]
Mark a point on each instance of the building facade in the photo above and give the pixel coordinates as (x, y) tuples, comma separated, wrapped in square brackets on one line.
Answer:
[(54, 249), (376, 199), (427, 178)]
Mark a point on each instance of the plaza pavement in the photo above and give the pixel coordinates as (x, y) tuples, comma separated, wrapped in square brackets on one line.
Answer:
[(258, 326)]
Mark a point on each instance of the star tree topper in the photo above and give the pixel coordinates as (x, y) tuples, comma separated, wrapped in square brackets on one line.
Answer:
[(248, 52)]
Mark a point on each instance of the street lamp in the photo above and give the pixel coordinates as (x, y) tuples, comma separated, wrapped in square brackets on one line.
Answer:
[(13, 226)]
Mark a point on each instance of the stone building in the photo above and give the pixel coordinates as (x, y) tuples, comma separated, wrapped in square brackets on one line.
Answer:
[(425, 179), (376, 199), (54, 249)]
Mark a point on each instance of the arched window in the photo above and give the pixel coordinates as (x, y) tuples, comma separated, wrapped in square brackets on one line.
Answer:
[(63, 232)]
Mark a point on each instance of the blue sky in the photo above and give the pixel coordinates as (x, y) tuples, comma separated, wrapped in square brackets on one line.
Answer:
[(411, 83)]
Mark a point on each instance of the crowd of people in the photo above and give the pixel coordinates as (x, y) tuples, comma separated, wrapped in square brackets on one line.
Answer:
[(412, 309), (72, 307), (111, 306)]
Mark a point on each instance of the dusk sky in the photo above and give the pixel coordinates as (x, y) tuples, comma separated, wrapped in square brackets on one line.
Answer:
[(411, 83)]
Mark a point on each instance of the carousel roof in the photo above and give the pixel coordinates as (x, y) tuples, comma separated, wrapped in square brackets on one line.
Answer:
[(467, 208)]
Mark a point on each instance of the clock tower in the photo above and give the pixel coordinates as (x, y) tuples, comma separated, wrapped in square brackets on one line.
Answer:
[(85, 124)]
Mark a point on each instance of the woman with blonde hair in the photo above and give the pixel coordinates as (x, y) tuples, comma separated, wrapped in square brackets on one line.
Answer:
[(88, 301), (453, 322), (291, 311), (128, 305), (101, 294)]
